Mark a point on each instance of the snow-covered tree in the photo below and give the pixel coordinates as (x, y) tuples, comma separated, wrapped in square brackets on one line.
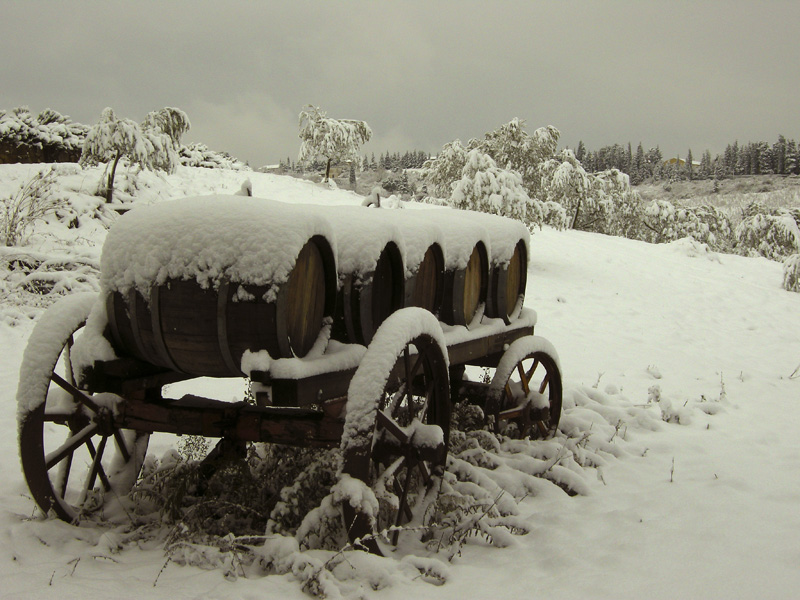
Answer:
[(441, 172), (164, 128), (512, 148), (562, 179), (153, 145), (488, 188), (331, 139), (620, 205)]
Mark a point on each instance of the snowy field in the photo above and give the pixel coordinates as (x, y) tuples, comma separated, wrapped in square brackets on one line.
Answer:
[(686, 354)]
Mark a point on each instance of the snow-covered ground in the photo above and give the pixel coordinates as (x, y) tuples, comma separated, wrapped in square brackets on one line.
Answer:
[(702, 506)]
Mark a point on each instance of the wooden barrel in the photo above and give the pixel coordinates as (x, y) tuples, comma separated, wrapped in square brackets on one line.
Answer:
[(425, 288), (507, 286), (205, 332), (366, 300), (466, 290)]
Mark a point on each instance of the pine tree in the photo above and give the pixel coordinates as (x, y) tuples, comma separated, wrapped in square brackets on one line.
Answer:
[(792, 162), (765, 163), (705, 165), (580, 151), (689, 165), (628, 161), (779, 155), (638, 174)]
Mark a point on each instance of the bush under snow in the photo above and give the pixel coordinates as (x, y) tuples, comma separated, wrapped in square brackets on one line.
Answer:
[(791, 273), (771, 233)]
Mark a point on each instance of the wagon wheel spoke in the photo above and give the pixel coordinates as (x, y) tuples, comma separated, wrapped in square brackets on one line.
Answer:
[(122, 445), (524, 377), (88, 485), (532, 370), (75, 392), (69, 447), (391, 426), (64, 472), (59, 418), (97, 464), (426, 474), (404, 510), (545, 381), (542, 427)]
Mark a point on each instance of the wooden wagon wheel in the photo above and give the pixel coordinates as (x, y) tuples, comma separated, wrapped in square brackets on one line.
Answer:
[(405, 458), (71, 452), (526, 389)]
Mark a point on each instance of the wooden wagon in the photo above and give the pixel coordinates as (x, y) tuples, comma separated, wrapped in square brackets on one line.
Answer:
[(355, 326)]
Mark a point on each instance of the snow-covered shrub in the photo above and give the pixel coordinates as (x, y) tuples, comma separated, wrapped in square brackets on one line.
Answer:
[(791, 273), (218, 499), (332, 139), (620, 206), (554, 215), (314, 475), (772, 233), (396, 182), (668, 222), (602, 203), (46, 137), (720, 231), (32, 202), (485, 187), (199, 155)]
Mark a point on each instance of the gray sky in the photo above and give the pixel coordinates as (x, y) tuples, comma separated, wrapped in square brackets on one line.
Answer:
[(676, 74)]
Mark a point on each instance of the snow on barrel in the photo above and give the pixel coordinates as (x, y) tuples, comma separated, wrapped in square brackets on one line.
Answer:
[(371, 262), (466, 267), (508, 264), (425, 249), (192, 284)]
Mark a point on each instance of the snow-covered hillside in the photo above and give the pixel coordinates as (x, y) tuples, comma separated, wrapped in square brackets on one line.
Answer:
[(677, 367)]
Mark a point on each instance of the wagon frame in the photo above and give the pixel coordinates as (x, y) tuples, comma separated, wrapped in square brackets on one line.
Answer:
[(418, 375)]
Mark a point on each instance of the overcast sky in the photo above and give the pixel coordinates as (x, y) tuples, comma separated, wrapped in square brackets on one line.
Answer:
[(675, 74)]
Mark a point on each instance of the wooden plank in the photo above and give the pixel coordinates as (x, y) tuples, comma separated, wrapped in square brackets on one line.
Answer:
[(194, 415), (473, 352), (311, 390)]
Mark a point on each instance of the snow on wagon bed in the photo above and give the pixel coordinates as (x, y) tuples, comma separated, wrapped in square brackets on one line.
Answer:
[(193, 284)]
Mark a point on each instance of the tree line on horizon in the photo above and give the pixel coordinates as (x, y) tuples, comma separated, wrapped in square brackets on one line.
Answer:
[(389, 161), (52, 137), (752, 158)]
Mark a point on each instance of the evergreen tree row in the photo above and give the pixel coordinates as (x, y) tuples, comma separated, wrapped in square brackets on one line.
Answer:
[(388, 161), (753, 158)]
